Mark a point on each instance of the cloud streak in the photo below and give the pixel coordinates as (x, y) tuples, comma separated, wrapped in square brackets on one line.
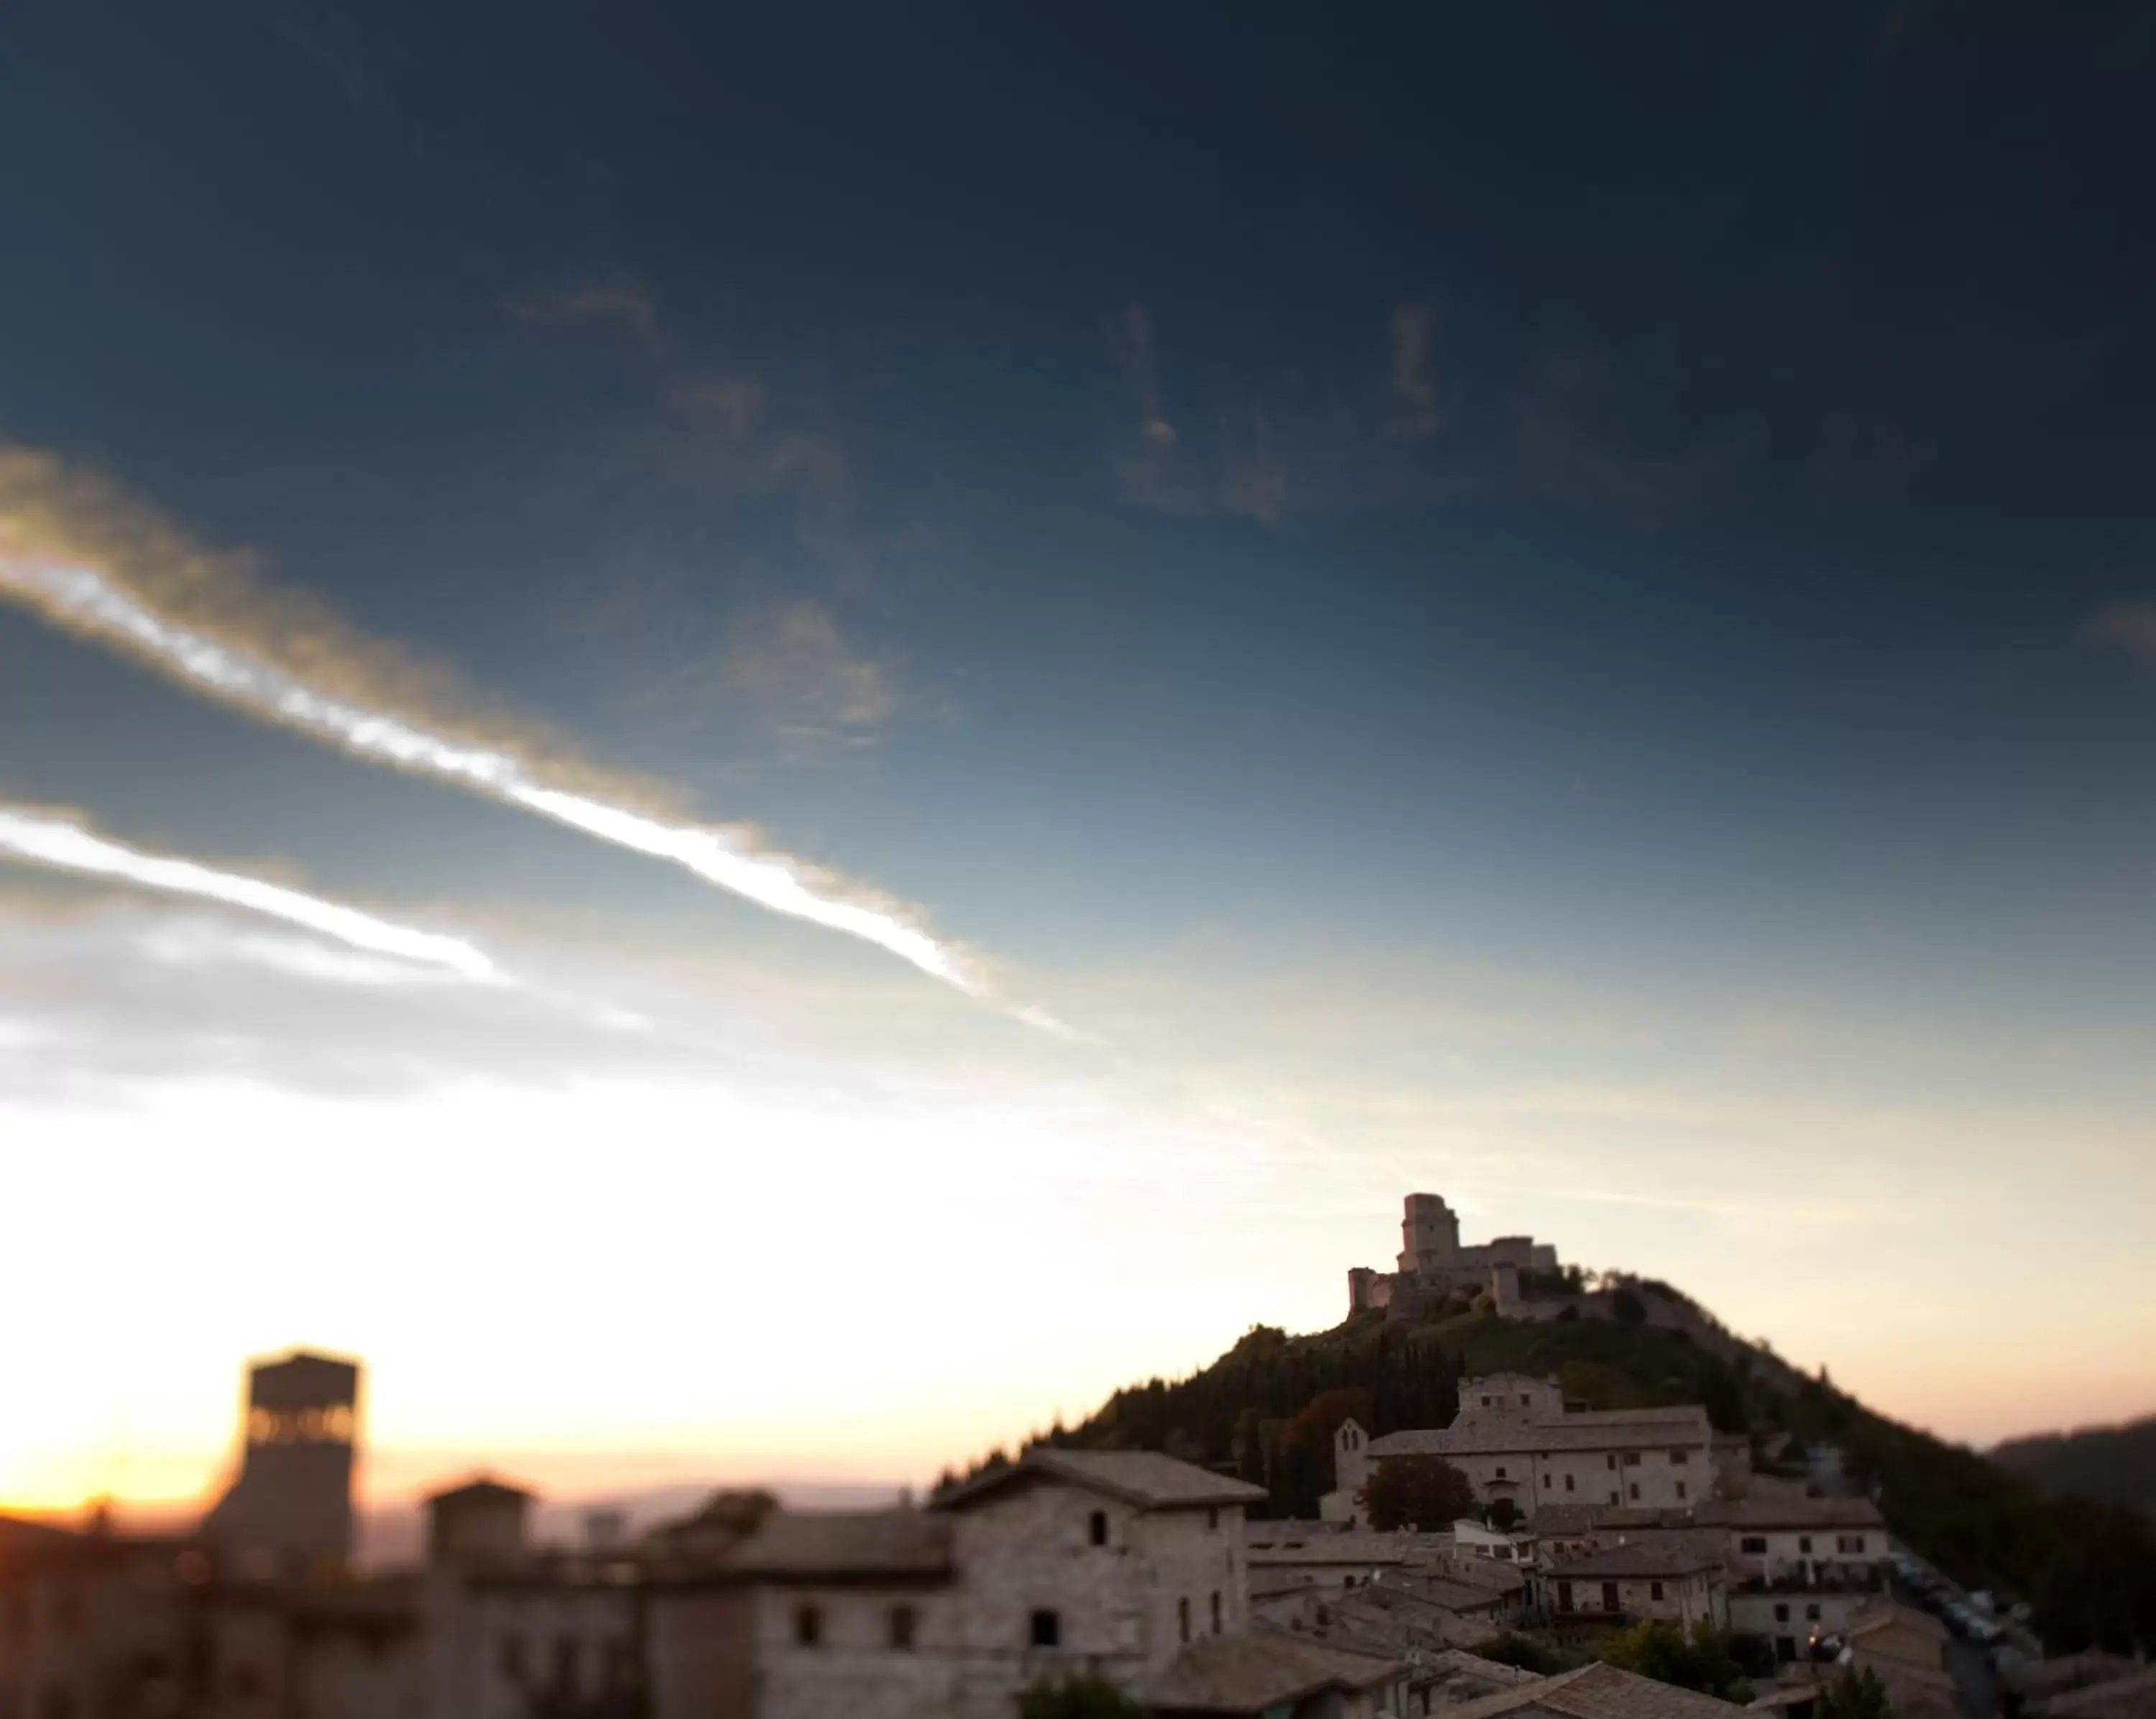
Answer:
[(47, 567), (58, 844)]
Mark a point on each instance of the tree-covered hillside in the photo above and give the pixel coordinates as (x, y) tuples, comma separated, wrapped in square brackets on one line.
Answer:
[(1266, 1409), (2116, 1465)]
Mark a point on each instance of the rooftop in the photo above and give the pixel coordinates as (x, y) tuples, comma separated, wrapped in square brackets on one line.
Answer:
[(2133, 1696), (1504, 1435), (1144, 1478), (1264, 1668), (1888, 1614), (1596, 1691), (1647, 1558), (841, 1545)]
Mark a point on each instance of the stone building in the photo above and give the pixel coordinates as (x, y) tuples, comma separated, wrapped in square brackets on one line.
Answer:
[(1669, 1582), (288, 1511), (1433, 1262), (1515, 1439)]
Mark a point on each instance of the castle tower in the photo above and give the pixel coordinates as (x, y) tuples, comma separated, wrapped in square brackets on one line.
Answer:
[(1429, 1234), (289, 1512)]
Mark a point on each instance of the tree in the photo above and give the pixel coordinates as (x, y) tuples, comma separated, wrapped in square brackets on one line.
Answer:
[(1422, 1492), (1854, 1695), (1538, 1654), (1078, 1698), (1627, 1307), (1701, 1660)]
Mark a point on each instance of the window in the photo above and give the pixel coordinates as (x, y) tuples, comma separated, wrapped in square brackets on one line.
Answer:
[(1096, 1527), (567, 1651), (1609, 1597), (1347, 1581), (1047, 1627), (1680, 1457), (1631, 1459), (512, 1658), (1182, 1617), (1212, 1518), (1635, 1492), (1525, 1401), (1803, 1542), (1501, 1471), (904, 1620), (807, 1626), (1755, 1544), (1812, 1613), (1681, 1489), (1654, 1590), (1610, 1462), (1782, 1613), (1565, 1596), (1567, 1483), (1216, 1611), (1486, 1401), (1849, 1543)]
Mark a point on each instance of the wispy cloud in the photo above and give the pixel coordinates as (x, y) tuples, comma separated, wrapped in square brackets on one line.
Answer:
[(1414, 392), (36, 838), (1574, 440), (76, 569), (617, 304), (2127, 627), (791, 662), (1266, 458)]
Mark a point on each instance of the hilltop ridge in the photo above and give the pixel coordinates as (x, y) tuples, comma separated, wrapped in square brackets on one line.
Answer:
[(1266, 1409)]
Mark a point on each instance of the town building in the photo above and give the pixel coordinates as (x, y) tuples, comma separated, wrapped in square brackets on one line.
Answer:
[(1666, 1582), (1517, 1440)]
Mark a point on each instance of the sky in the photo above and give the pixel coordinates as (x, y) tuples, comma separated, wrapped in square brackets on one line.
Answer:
[(763, 746)]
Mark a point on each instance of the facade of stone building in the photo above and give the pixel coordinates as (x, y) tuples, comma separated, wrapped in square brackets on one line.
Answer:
[(1523, 1445)]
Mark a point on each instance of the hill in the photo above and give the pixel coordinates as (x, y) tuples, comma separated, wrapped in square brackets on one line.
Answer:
[(2116, 1465), (1266, 1410)]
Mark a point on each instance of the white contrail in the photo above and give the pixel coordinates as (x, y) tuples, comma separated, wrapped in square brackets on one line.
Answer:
[(83, 598), (42, 840)]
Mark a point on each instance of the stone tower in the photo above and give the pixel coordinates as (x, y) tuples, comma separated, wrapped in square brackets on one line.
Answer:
[(289, 1512), (1429, 1234)]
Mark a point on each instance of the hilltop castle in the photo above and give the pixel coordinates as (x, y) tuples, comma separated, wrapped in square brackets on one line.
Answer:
[(1433, 1264)]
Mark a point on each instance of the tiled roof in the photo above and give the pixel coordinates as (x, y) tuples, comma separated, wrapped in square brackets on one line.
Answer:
[(1500, 1435), (810, 1546), (1649, 1558), (1887, 1613), (1249, 1673), (2040, 1677), (1792, 1513), (1596, 1691), (484, 1487), (1145, 1478), (2131, 1697), (1325, 1548)]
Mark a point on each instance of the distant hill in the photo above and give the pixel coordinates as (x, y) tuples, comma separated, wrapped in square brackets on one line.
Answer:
[(1266, 1410), (2116, 1465)]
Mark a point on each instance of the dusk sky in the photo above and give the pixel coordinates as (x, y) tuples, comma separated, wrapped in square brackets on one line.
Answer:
[(763, 747)]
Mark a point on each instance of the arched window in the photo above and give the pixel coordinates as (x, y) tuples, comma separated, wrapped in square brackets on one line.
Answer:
[(1182, 1617), (1096, 1527)]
